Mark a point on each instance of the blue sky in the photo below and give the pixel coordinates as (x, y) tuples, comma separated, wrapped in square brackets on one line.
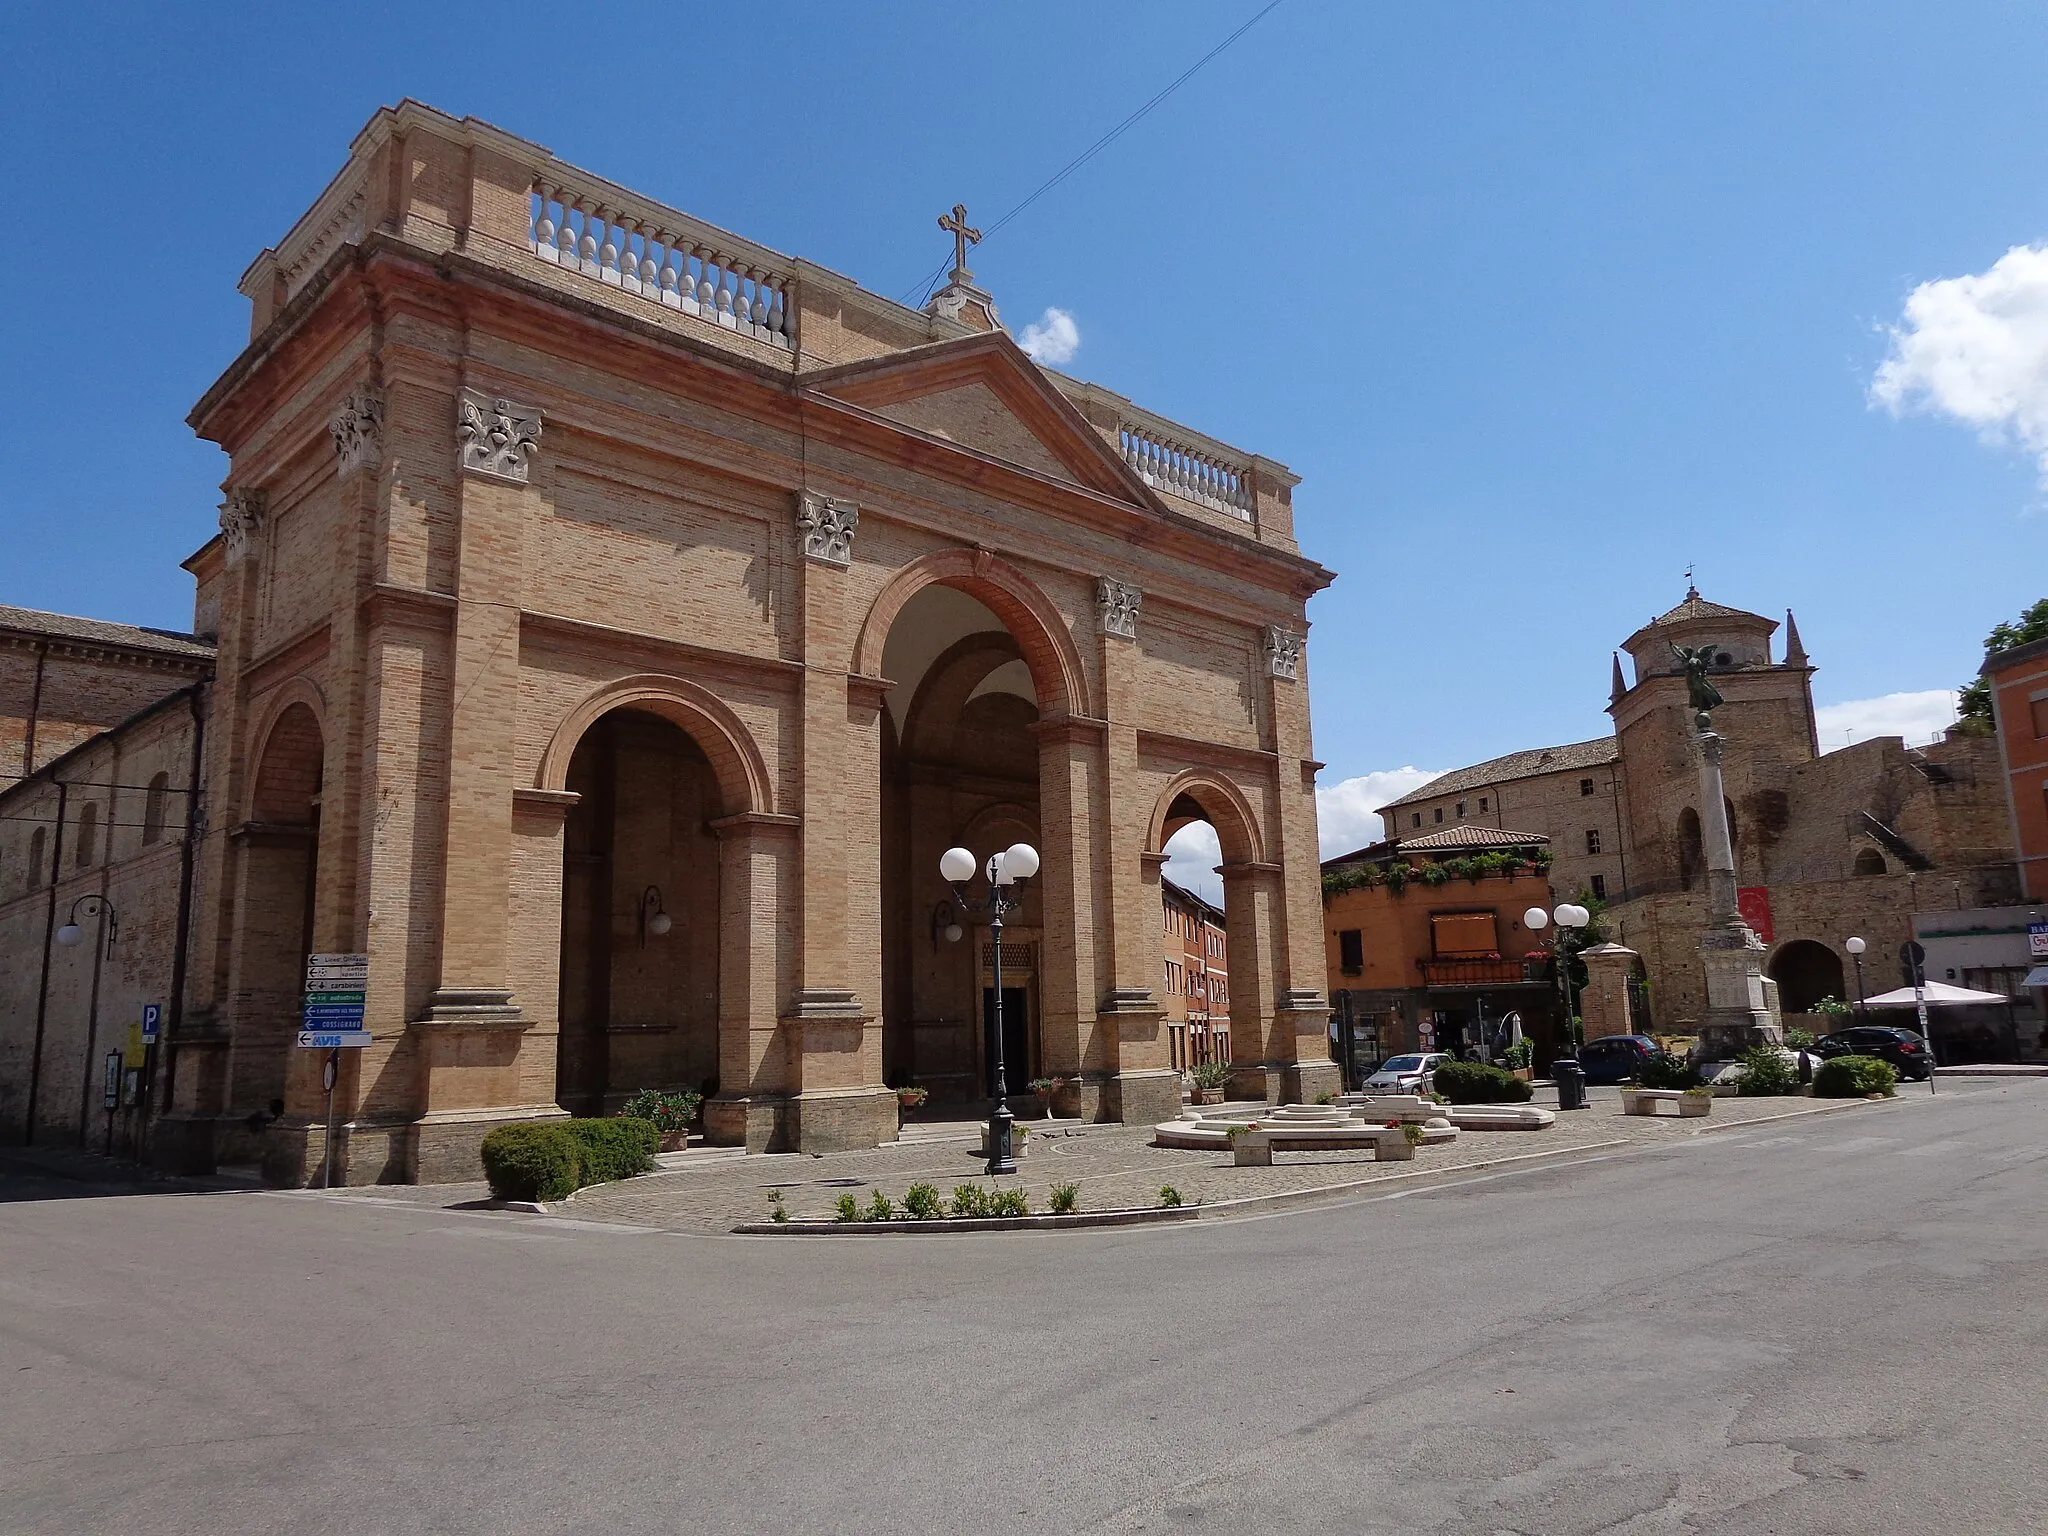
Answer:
[(1544, 302)]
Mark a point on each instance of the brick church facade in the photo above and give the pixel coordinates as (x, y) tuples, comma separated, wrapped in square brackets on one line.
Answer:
[(615, 620)]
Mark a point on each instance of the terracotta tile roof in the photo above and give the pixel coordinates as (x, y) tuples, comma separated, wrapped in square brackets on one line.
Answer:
[(1516, 765), (62, 626), (1467, 836), (1693, 606)]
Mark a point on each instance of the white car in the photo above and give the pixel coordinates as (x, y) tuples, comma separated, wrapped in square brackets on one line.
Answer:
[(1404, 1074)]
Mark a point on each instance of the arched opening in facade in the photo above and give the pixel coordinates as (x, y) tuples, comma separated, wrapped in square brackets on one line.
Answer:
[(959, 766), (1806, 971), (153, 800), (1206, 820), (1869, 862), (1194, 979), (278, 879), (641, 914), (1692, 856)]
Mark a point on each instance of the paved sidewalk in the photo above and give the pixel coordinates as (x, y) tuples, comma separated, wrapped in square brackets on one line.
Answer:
[(1113, 1165)]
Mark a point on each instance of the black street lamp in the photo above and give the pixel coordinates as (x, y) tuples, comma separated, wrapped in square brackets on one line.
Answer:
[(1007, 871), (1855, 947), (71, 936)]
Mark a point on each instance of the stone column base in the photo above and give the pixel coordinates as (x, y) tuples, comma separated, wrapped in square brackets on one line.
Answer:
[(1724, 1039), (1143, 1098), (760, 1122), (1307, 1081), (1084, 1097), (844, 1119), (1254, 1080), (446, 1144), (183, 1143)]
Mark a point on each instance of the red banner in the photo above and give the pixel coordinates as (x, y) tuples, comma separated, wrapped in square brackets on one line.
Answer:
[(1754, 903)]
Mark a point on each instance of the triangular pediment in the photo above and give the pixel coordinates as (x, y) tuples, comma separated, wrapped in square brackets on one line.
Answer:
[(985, 395)]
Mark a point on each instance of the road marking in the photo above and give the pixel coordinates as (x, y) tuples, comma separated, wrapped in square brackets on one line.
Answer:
[(1934, 1148), (1860, 1144)]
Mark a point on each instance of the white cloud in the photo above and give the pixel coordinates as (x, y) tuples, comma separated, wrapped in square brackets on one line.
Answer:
[(1919, 717), (1976, 348), (1052, 337), (1348, 812), (1192, 855)]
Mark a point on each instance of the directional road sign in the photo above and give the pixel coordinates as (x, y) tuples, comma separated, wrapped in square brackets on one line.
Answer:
[(335, 1039)]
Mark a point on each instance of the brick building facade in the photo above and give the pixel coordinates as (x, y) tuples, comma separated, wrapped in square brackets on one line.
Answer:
[(584, 565), (1194, 977)]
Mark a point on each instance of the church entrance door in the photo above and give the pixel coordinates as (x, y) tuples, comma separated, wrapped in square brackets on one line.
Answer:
[(1017, 1063)]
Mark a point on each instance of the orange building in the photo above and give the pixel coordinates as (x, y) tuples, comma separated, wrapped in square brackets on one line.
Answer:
[(1425, 942), (2019, 701), (1196, 979)]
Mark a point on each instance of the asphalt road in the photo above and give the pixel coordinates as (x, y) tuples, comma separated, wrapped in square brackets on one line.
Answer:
[(1831, 1324)]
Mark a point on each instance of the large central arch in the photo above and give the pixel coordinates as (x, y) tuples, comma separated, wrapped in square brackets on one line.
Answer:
[(743, 779), (1041, 633)]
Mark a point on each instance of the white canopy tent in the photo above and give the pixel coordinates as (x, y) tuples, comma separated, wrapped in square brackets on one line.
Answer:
[(1939, 995)]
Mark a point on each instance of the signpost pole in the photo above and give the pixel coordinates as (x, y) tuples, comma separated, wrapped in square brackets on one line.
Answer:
[(329, 1072), (1915, 956), (336, 995)]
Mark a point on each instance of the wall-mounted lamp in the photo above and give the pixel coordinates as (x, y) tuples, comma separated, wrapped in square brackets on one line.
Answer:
[(90, 906), (945, 925), (653, 919)]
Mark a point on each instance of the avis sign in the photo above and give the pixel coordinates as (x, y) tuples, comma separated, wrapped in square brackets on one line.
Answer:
[(337, 991)]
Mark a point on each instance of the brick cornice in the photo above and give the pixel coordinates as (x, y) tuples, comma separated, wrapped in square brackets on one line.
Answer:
[(624, 644)]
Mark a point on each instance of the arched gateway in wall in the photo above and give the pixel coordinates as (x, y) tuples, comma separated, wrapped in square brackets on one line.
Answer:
[(669, 656)]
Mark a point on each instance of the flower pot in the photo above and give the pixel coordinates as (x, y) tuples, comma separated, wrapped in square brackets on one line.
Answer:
[(1206, 1096), (674, 1141), (1526, 1074)]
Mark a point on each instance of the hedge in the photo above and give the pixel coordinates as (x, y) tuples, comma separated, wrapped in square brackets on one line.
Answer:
[(1473, 1082), (552, 1159), (1851, 1077)]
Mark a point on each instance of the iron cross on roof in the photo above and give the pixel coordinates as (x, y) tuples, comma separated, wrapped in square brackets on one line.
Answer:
[(963, 236)]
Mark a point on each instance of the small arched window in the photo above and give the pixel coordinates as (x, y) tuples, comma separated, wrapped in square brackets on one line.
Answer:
[(88, 834), (33, 876), (1869, 862), (153, 807)]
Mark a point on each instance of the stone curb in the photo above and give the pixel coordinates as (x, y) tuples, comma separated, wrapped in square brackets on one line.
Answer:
[(1222, 1209), (1133, 1217)]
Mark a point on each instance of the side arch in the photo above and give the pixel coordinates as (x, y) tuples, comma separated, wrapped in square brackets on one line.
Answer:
[(298, 691), (1218, 801), (744, 784), (1041, 633)]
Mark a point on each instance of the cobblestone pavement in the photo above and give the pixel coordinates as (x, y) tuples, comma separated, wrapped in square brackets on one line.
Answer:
[(1113, 1165)]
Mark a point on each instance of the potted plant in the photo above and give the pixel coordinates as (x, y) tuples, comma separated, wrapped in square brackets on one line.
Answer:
[(1519, 1059), (1208, 1078), (671, 1113), (1045, 1088), (910, 1098)]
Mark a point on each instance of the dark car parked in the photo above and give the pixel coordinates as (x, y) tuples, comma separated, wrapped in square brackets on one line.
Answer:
[(1900, 1047), (1616, 1058)]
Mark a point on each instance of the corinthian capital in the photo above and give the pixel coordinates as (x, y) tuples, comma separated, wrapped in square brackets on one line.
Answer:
[(498, 438)]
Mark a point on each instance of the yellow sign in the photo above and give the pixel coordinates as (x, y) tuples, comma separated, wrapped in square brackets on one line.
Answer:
[(133, 1055)]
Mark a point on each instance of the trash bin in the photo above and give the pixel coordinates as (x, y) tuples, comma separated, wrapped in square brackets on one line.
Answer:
[(1571, 1083)]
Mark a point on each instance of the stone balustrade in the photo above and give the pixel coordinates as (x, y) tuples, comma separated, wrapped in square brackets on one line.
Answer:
[(1209, 476), (663, 256)]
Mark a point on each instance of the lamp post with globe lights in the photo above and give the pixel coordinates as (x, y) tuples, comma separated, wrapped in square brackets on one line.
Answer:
[(1856, 946), (1568, 916), (1007, 871)]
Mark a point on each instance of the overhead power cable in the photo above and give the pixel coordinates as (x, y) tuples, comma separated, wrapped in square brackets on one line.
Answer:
[(1101, 144)]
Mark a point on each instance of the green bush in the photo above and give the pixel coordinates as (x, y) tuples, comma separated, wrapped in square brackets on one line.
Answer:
[(970, 1200), (923, 1202), (1767, 1073), (1473, 1082), (670, 1112), (613, 1149), (880, 1209), (1669, 1072), (533, 1162), (848, 1209), (1065, 1198), (1851, 1077), (777, 1211), (1520, 1052), (1210, 1074), (1169, 1197), (1009, 1202)]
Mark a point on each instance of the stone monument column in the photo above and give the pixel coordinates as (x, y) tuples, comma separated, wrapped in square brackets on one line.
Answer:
[(1741, 1010), (1604, 1002)]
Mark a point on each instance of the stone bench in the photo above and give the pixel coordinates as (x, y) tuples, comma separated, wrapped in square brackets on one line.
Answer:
[(1254, 1149), (1644, 1101)]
